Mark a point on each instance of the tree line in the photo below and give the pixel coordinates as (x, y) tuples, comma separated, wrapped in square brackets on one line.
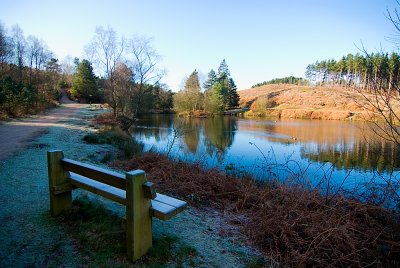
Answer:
[(122, 72), (360, 71), (29, 73), (285, 80), (220, 92), (130, 75)]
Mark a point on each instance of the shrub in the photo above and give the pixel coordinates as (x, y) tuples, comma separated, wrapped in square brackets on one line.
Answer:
[(260, 105), (64, 84), (116, 137)]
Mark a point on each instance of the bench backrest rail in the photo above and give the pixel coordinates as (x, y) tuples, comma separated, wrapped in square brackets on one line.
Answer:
[(109, 177)]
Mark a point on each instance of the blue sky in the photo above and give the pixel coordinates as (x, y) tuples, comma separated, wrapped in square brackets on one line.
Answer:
[(260, 40)]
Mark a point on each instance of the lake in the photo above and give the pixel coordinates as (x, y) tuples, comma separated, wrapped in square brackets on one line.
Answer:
[(333, 153)]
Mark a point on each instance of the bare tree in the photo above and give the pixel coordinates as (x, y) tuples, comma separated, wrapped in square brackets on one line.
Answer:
[(383, 104), (5, 50), (36, 54), (178, 131), (19, 45), (68, 68), (34, 47), (130, 81), (394, 18), (105, 51), (144, 64), (122, 85)]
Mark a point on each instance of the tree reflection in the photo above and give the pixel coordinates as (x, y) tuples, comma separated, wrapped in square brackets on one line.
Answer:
[(219, 133), (156, 126), (374, 155), (189, 127)]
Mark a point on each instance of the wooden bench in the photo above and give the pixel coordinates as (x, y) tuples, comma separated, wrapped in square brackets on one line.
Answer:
[(132, 190)]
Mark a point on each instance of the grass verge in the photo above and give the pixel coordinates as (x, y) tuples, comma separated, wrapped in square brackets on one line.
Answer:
[(114, 136), (101, 240)]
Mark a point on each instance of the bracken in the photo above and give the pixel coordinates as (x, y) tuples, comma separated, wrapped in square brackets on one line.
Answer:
[(292, 225)]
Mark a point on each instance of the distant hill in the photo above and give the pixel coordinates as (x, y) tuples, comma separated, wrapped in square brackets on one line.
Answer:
[(292, 101)]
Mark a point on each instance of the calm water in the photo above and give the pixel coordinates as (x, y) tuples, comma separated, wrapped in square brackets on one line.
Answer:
[(337, 152)]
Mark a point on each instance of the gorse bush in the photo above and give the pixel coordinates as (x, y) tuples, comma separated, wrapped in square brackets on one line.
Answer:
[(17, 98)]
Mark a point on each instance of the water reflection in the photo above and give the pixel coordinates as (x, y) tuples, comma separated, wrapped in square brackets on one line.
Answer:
[(365, 155), (156, 127), (219, 134), (305, 131), (225, 140), (216, 134), (345, 144)]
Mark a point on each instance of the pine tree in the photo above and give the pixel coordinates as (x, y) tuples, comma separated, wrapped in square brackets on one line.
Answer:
[(223, 90), (84, 84), (394, 69), (211, 80), (223, 68), (233, 96), (228, 89)]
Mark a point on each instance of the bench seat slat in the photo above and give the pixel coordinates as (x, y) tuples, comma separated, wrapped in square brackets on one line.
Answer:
[(162, 207), (109, 177), (178, 204), (99, 188), (162, 211)]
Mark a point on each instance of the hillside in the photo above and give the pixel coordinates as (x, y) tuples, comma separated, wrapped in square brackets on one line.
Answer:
[(292, 101)]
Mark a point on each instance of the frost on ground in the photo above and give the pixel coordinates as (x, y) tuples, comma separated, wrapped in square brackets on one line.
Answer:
[(29, 237)]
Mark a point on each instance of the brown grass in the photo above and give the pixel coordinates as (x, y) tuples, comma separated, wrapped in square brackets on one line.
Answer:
[(292, 225), (105, 119), (309, 102)]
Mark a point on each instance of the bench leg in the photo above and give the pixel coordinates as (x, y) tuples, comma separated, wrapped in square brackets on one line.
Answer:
[(59, 200), (138, 219)]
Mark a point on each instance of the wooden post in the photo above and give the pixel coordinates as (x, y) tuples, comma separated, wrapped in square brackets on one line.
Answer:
[(60, 200), (138, 219)]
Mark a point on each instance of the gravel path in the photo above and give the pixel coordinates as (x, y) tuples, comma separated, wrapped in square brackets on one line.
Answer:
[(29, 237)]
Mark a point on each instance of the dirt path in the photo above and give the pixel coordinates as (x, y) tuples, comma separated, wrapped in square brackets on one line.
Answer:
[(17, 134), (29, 237)]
